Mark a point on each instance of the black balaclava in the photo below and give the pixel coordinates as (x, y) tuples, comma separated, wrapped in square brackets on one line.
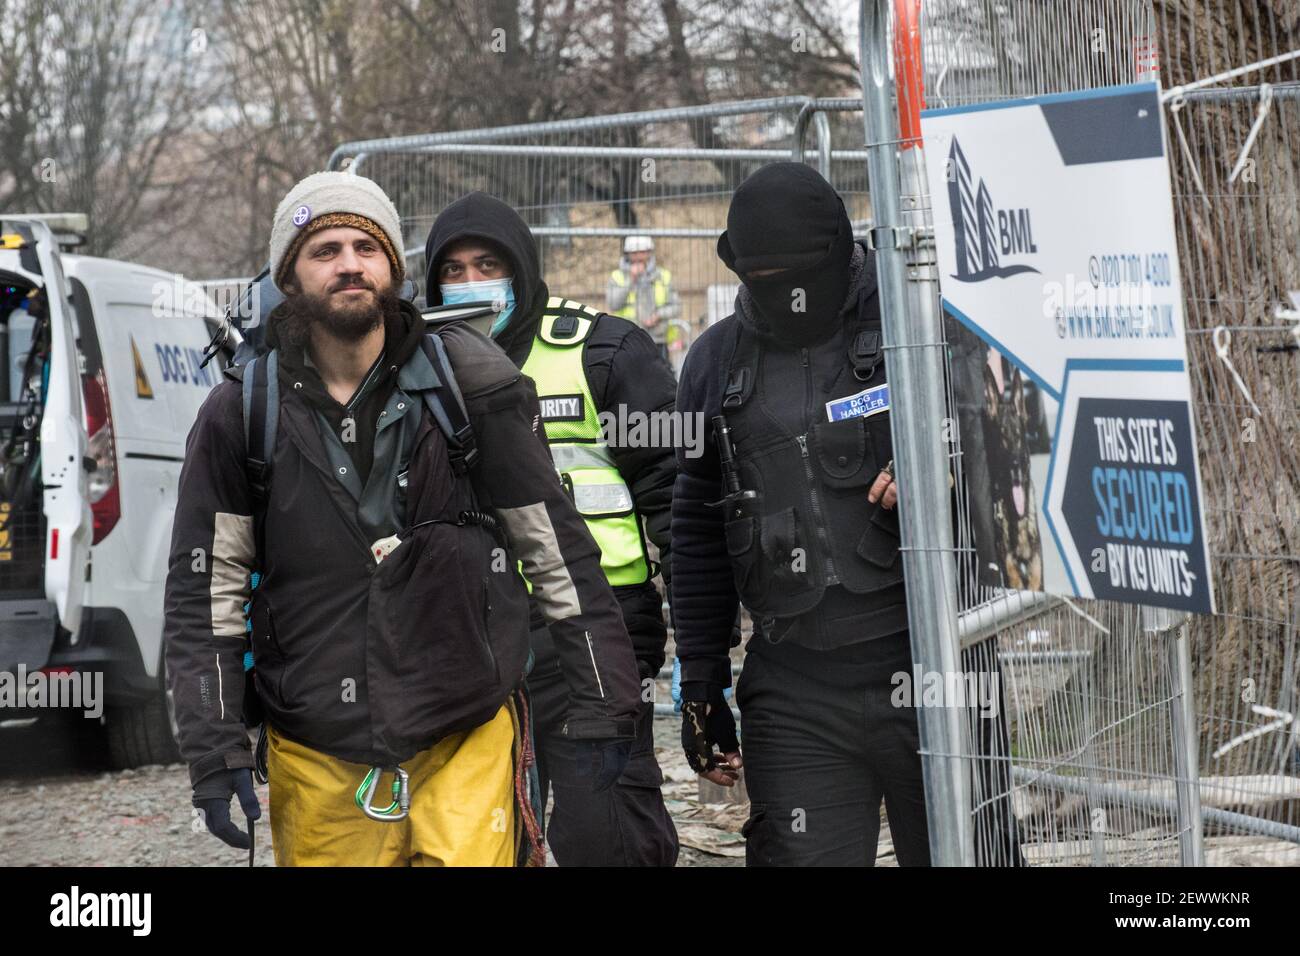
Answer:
[(786, 216)]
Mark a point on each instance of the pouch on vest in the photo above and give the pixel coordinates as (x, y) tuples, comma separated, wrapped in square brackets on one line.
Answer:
[(815, 536)]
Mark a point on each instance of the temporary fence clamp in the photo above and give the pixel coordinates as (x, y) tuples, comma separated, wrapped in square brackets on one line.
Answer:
[(889, 237), (899, 237)]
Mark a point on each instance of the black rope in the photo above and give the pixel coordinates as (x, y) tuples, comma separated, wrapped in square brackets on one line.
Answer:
[(481, 518)]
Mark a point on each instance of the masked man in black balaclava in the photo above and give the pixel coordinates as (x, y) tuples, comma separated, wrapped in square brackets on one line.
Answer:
[(809, 543), (806, 536)]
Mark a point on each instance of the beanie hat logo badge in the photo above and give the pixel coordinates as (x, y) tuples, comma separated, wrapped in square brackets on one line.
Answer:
[(302, 216)]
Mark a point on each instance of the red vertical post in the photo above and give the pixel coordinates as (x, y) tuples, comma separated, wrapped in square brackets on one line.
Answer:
[(909, 73)]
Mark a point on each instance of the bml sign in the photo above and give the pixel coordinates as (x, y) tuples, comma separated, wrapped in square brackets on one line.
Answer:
[(1055, 235), (978, 243)]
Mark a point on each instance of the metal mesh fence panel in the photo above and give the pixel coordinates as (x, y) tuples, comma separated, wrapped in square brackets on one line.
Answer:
[(583, 186), (1239, 242), (1094, 690)]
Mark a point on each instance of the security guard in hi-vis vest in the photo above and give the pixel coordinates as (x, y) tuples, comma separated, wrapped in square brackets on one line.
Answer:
[(584, 363), (641, 291)]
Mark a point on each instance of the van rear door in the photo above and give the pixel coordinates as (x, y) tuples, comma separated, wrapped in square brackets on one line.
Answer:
[(63, 447)]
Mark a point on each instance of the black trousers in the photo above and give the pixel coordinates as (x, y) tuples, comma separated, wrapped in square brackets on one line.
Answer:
[(628, 824), (820, 755), (819, 758)]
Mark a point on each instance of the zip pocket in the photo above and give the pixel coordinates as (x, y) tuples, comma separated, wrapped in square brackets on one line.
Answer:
[(271, 660), (270, 643), (486, 638), (591, 650)]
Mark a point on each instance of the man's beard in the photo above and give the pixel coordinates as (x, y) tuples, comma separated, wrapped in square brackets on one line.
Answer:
[(346, 320)]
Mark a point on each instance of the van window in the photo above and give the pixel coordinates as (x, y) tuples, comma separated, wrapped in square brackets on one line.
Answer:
[(92, 357), (20, 343)]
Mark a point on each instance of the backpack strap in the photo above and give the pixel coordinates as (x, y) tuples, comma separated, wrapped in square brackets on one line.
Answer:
[(739, 373), (447, 406), (866, 341), (261, 400)]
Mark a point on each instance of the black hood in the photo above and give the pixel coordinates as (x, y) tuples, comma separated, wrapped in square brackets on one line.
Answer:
[(785, 216), (481, 216)]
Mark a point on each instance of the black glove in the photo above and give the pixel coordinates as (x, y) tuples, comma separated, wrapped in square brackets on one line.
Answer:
[(212, 795), (601, 760), (706, 723)]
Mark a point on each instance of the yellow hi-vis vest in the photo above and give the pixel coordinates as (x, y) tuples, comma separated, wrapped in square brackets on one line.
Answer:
[(578, 449), (661, 284)]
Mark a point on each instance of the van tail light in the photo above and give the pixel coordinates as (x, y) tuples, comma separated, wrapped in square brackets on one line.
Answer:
[(105, 500)]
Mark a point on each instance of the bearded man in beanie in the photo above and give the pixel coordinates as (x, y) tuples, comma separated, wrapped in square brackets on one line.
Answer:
[(385, 487)]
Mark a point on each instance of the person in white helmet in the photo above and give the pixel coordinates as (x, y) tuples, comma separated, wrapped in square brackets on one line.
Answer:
[(641, 291)]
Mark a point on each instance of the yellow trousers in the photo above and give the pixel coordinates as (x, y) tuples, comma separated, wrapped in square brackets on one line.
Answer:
[(462, 804)]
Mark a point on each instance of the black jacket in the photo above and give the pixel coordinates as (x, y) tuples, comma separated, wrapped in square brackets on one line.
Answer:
[(704, 591), (373, 663), (624, 370)]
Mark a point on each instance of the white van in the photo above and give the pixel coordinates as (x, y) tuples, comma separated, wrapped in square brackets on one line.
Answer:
[(100, 385)]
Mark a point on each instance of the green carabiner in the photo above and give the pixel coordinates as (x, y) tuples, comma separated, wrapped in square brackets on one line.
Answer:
[(401, 790)]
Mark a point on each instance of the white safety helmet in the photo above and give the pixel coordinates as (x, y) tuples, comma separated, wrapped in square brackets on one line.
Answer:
[(638, 244)]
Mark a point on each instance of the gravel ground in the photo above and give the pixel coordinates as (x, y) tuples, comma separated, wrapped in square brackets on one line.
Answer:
[(61, 806)]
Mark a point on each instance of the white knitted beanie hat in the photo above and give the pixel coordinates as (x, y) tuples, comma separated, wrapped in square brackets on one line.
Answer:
[(329, 199)]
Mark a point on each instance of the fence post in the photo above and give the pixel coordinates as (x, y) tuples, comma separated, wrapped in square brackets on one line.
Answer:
[(1182, 720), (813, 115), (915, 363), (1096, 835)]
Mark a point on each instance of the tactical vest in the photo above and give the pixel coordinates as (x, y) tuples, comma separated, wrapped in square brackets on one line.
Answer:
[(661, 285), (814, 561), (573, 431)]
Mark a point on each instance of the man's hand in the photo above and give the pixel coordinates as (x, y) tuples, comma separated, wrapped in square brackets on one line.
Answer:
[(212, 795), (706, 724), (635, 269), (884, 489)]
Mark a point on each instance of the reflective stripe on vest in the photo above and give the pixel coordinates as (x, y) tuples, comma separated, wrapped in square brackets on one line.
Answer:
[(602, 499), (662, 280), (578, 450), (572, 457)]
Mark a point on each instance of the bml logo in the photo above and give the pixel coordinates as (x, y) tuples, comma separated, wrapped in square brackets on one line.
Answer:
[(980, 243)]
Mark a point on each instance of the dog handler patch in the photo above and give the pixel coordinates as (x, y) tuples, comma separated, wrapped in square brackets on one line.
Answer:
[(868, 402)]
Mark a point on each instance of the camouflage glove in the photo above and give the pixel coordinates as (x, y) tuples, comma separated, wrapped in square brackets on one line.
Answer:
[(707, 723)]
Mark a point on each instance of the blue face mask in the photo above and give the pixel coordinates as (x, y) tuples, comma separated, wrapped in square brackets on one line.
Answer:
[(500, 292)]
